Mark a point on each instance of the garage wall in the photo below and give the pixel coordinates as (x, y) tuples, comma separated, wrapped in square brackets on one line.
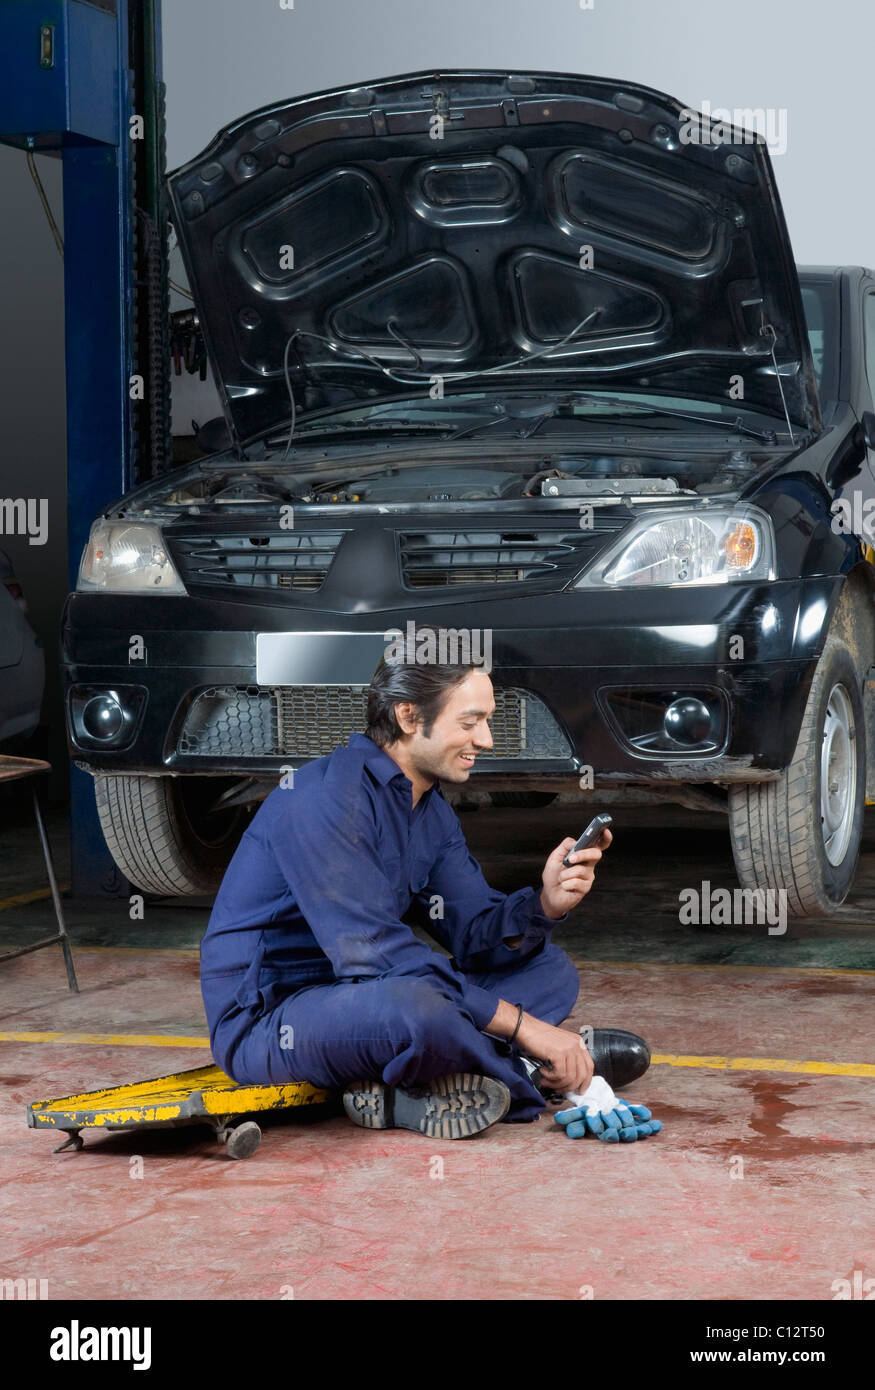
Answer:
[(807, 62), (225, 57)]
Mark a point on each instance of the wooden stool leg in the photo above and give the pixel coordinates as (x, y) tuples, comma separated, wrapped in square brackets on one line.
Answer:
[(56, 897)]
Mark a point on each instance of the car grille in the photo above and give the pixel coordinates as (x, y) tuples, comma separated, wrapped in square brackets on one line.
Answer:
[(440, 558), (289, 560), (276, 562), (230, 720), (307, 721)]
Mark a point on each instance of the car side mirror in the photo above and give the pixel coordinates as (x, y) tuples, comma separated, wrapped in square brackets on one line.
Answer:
[(868, 423)]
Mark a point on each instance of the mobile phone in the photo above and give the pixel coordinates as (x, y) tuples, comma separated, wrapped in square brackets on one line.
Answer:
[(589, 837)]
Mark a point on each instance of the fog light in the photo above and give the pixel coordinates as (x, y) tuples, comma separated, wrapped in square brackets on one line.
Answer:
[(105, 718), (102, 717), (688, 721), (658, 721)]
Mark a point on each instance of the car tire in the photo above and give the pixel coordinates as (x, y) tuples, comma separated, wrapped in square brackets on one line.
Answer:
[(793, 833), (161, 835)]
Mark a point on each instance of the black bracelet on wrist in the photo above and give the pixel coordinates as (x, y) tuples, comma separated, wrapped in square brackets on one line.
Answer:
[(518, 1022)]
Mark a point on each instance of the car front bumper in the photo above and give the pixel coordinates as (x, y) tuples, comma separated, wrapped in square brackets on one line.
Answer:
[(565, 655)]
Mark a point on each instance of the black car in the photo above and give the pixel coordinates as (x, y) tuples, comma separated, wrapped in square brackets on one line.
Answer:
[(514, 356)]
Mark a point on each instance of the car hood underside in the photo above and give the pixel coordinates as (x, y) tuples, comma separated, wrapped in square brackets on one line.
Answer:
[(437, 224)]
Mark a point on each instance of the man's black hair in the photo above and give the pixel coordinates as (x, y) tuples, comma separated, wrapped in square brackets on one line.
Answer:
[(426, 686)]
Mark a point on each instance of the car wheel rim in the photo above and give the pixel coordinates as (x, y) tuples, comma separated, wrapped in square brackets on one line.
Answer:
[(838, 775)]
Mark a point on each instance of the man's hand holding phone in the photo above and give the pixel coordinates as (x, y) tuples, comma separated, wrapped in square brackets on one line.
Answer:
[(565, 886)]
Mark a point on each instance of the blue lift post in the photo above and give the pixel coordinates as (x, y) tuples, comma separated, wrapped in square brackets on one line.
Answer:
[(73, 74)]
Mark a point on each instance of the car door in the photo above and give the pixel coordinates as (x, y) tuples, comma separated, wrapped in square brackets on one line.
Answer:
[(865, 400)]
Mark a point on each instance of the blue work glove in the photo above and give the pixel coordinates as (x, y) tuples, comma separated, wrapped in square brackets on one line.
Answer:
[(606, 1116)]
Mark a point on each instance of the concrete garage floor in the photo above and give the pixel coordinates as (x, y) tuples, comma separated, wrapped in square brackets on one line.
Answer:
[(758, 1187)]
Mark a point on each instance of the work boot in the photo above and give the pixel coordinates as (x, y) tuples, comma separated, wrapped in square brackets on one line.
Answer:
[(618, 1056), (457, 1106)]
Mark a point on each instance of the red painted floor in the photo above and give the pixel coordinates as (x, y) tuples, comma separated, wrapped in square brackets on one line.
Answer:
[(330, 1211)]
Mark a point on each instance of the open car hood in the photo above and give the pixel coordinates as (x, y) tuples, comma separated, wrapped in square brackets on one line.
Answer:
[(446, 223)]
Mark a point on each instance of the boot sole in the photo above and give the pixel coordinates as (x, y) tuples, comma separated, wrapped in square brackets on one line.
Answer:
[(458, 1106)]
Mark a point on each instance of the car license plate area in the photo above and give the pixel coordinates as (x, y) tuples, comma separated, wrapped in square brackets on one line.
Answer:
[(317, 658)]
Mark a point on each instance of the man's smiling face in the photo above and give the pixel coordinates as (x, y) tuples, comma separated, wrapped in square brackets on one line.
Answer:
[(458, 734)]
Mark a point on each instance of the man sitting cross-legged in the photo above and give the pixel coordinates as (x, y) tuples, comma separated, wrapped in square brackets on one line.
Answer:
[(309, 973)]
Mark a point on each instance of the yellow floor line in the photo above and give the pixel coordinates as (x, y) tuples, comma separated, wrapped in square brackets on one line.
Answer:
[(674, 1059), (110, 1039), (33, 896), (826, 971), (671, 1059), (817, 971), (193, 951)]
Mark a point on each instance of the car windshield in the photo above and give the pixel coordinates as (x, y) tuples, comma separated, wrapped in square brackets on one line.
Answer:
[(818, 302)]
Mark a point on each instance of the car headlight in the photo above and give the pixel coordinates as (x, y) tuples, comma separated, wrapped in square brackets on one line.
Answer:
[(688, 547), (124, 557)]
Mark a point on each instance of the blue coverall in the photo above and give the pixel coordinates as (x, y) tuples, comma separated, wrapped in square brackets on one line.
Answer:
[(308, 972)]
